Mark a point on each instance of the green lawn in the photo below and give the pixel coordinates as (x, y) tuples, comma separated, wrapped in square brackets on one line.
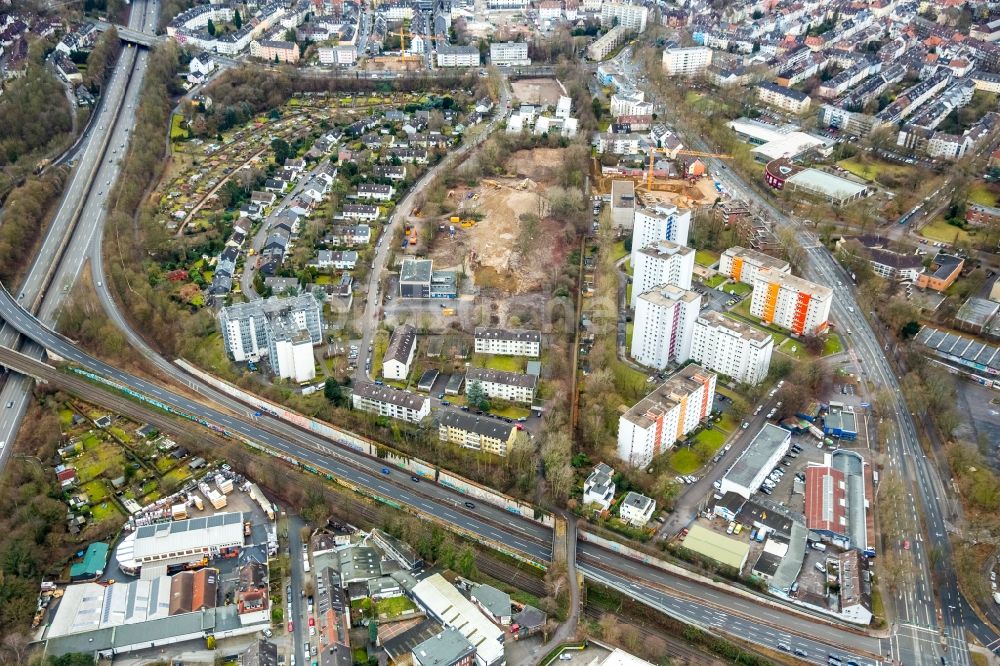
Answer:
[(872, 170), (394, 606), (738, 289), (176, 476), (104, 510), (793, 348), (715, 280), (833, 345), (618, 250), (706, 258), (96, 459), (628, 293), (628, 267), (628, 380), (176, 131), (96, 491), (981, 194), (940, 230), (629, 328), (512, 412), (66, 417), (711, 437), (684, 461), (496, 362)]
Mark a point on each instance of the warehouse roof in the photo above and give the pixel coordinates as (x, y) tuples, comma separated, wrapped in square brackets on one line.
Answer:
[(93, 561), (416, 270), (715, 546), (764, 443), (447, 604), (216, 530)]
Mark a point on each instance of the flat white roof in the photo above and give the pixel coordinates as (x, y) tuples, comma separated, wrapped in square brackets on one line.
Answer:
[(218, 530), (621, 658), (829, 184), (446, 603), (789, 145)]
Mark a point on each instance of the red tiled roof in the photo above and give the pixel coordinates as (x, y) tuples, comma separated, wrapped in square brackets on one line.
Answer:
[(825, 499)]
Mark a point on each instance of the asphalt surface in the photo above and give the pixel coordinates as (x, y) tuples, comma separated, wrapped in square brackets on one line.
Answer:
[(370, 318), (42, 290), (486, 521), (917, 632)]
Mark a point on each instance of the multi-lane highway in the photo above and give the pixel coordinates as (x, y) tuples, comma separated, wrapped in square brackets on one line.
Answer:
[(483, 521), (84, 199)]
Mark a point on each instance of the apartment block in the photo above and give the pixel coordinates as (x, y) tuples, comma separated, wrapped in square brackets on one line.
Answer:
[(480, 433), (511, 386), (731, 348), (275, 51), (399, 354), (686, 61), (675, 408), (450, 55), (790, 302), (509, 54), (630, 17), (662, 262), (389, 401), (664, 326), (786, 99), (285, 329), (508, 341), (741, 264), (660, 223), (606, 43)]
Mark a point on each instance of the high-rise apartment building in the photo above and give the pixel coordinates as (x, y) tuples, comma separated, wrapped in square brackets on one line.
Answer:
[(663, 262), (732, 348), (801, 306), (664, 325), (672, 410)]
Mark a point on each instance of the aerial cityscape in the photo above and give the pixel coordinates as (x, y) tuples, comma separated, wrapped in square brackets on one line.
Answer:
[(486, 332)]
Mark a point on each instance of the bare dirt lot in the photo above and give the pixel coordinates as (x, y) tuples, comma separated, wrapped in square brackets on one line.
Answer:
[(490, 246), (537, 91)]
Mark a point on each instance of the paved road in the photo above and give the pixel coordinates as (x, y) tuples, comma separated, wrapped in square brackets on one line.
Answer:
[(115, 119), (370, 318), (488, 523), (915, 608)]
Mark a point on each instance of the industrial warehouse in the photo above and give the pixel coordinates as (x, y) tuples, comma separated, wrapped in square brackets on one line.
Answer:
[(175, 578)]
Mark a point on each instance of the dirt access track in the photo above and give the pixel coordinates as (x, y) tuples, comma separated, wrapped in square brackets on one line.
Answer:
[(489, 248)]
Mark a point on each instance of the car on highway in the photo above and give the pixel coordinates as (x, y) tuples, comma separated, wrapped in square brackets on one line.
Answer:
[(799, 652), (746, 424), (470, 505), (312, 622), (415, 479), (385, 470), (10, 404)]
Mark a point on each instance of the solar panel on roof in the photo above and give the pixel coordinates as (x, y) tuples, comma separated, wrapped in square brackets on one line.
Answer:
[(972, 351)]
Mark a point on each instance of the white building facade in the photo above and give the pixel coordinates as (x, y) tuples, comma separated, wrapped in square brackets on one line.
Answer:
[(661, 223), (731, 348), (662, 262), (664, 326), (672, 410)]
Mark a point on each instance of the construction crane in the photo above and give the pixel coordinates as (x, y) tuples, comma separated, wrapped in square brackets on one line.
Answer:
[(402, 43), (691, 153)]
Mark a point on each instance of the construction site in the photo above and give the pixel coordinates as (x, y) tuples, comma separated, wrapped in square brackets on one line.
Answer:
[(400, 61), (485, 226), (678, 177)]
